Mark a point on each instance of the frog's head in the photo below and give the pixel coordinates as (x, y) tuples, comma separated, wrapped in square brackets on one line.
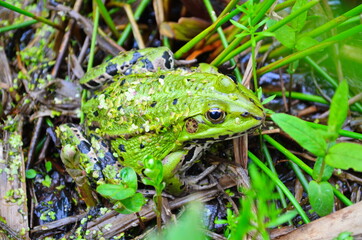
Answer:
[(228, 111)]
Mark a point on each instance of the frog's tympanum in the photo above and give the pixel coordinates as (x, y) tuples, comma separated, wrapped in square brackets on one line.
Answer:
[(143, 106)]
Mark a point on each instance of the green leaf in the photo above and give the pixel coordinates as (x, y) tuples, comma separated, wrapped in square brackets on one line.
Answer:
[(305, 42), (48, 166), (286, 36), (265, 34), (153, 169), (301, 132), (269, 99), (129, 177), (189, 226), (261, 23), (338, 109), (241, 35), (299, 22), (293, 67), (153, 173), (47, 181), (289, 215), (116, 192), (30, 174), (327, 171), (321, 197), (259, 93), (239, 25), (345, 156), (132, 204), (344, 236)]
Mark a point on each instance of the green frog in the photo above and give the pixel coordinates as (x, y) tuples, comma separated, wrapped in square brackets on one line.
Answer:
[(143, 106)]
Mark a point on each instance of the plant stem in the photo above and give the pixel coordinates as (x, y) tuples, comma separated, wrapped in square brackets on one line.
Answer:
[(91, 54), (107, 18), (221, 58), (299, 175), (304, 166), (17, 26), (227, 53), (158, 211), (137, 14), (213, 27), (340, 132), (279, 183), (336, 22), (321, 170), (306, 52), (327, 77), (222, 36), (29, 14), (272, 168)]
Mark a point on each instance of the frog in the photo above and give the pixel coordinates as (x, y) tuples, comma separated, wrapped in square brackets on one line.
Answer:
[(143, 105)]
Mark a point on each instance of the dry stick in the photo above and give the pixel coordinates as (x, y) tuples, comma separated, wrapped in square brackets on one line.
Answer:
[(290, 87), (83, 51), (104, 42), (34, 141), (241, 144), (135, 29), (221, 189), (240, 147), (285, 102), (9, 230), (66, 37), (120, 222), (249, 68), (319, 88), (159, 13), (330, 226), (10, 211), (44, 149), (350, 102)]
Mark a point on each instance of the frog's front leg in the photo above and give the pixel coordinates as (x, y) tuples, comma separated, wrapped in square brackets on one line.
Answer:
[(71, 158), (71, 136), (176, 164), (171, 163), (87, 162)]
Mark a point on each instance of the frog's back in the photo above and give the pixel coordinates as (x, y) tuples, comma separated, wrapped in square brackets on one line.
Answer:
[(126, 63), (142, 103), (160, 102)]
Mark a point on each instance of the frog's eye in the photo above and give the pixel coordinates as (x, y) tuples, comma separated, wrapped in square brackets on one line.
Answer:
[(215, 115)]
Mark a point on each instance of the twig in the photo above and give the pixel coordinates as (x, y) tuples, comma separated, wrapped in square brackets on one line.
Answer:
[(104, 42)]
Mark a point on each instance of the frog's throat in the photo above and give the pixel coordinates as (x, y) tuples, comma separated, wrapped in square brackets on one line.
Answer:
[(221, 137)]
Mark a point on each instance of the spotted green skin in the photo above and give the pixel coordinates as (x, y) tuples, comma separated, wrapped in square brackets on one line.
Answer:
[(126, 63), (148, 113)]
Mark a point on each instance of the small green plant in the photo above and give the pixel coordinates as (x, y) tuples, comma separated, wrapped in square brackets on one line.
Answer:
[(289, 35), (344, 236), (252, 30), (31, 174), (47, 179), (154, 177), (127, 199), (258, 210), (188, 226), (330, 154)]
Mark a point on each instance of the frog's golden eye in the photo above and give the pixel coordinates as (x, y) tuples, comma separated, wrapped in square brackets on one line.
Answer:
[(215, 115)]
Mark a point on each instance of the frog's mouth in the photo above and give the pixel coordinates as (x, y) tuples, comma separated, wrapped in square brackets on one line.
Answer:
[(221, 137)]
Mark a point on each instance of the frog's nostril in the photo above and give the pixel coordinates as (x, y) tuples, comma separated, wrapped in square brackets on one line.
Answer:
[(258, 118), (245, 114)]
